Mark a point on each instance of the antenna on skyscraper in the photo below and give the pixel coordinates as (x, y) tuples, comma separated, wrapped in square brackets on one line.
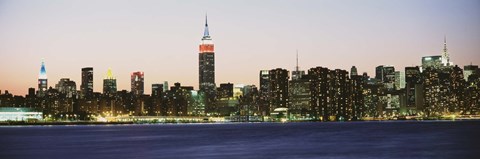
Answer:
[(297, 68)]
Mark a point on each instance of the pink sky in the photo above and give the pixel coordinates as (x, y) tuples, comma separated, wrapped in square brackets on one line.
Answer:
[(161, 37)]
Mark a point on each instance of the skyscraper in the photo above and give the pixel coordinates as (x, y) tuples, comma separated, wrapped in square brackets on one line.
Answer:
[(264, 92), (413, 90), (353, 71), (42, 81), (206, 68), (87, 82), (137, 79), (399, 80), (109, 83), (445, 55), (278, 88)]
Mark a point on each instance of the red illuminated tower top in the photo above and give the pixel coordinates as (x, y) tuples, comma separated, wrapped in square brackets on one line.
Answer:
[(206, 46)]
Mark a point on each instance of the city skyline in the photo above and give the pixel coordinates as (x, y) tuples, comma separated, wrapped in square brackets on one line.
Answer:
[(239, 58)]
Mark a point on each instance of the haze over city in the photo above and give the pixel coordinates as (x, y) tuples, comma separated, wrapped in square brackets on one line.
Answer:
[(161, 38)]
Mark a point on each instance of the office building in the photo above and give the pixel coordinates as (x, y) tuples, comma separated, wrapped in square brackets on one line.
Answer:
[(109, 83), (137, 83), (87, 83)]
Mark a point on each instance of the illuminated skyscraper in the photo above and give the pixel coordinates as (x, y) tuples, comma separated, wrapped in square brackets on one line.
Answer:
[(87, 82), (109, 83), (206, 69), (445, 55), (42, 81), (137, 79)]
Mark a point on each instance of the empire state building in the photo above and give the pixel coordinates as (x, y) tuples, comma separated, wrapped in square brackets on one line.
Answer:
[(206, 68)]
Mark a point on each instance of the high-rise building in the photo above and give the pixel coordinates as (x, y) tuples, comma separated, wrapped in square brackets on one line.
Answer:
[(319, 92), (137, 86), (264, 92), (157, 90), (469, 70), (225, 90), (87, 82), (339, 95), (358, 105), (386, 74), (206, 69), (157, 106), (42, 81), (431, 61), (67, 87), (165, 86), (109, 83), (299, 94), (353, 71), (412, 83), (278, 88), (445, 55), (399, 80)]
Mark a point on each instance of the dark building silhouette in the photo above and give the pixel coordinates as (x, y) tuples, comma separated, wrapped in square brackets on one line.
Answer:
[(264, 92), (225, 90), (137, 83), (278, 88), (87, 83), (358, 104), (319, 84), (413, 82)]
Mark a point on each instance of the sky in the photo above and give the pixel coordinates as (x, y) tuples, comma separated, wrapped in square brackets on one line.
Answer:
[(161, 38)]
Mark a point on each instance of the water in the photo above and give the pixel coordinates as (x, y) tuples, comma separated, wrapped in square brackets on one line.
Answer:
[(399, 139)]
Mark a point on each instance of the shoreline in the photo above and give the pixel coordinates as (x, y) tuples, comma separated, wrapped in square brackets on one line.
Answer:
[(52, 123)]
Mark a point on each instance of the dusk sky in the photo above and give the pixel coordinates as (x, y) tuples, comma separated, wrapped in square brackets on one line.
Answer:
[(161, 38)]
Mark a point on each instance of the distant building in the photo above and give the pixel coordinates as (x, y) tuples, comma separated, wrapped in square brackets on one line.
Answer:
[(278, 89), (445, 55), (42, 81), (431, 61), (413, 90), (20, 114), (137, 83), (109, 83), (300, 97), (469, 70), (399, 80), (206, 69), (225, 90), (87, 82), (386, 74), (319, 92), (358, 105), (264, 92), (157, 90), (67, 87), (353, 71)]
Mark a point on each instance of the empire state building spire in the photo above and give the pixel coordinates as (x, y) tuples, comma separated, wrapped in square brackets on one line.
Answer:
[(206, 34)]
